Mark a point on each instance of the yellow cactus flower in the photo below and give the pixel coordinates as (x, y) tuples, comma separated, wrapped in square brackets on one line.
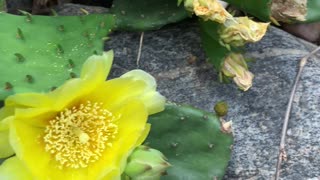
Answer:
[(208, 10), (234, 66), (83, 130), (240, 30)]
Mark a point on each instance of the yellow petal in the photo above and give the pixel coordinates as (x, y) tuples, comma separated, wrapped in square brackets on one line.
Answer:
[(113, 175), (25, 141), (94, 72), (37, 117), (5, 112), (97, 67), (115, 92), (14, 169), (153, 100), (131, 127), (28, 100), (138, 74), (144, 134), (70, 92), (5, 147)]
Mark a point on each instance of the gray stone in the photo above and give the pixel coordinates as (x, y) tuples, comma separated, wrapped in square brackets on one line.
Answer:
[(75, 9), (257, 115)]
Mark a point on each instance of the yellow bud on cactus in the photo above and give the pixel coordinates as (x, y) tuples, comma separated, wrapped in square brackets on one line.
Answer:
[(234, 66), (238, 31)]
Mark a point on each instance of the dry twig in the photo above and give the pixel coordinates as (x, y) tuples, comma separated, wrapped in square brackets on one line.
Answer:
[(282, 152), (140, 49)]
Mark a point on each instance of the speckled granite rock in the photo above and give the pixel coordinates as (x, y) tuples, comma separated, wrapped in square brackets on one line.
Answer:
[(75, 9), (257, 114)]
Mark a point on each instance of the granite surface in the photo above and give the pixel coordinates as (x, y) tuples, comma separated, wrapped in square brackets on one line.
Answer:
[(77, 9), (257, 115)]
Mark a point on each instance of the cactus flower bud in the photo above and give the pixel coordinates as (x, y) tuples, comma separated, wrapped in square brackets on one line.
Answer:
[(234, 66), (146, 164), (221, 108), (240, 30)]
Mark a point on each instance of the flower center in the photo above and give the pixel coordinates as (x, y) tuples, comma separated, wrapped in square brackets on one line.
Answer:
[(79, 135)]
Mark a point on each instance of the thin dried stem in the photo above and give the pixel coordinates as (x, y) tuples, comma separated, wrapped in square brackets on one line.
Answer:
[(140, 49), (282, 152)]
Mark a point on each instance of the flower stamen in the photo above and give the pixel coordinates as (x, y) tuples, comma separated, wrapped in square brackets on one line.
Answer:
[(78, 135)]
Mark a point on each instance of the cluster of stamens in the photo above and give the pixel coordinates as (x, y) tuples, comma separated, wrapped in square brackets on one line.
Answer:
[(79, 135)]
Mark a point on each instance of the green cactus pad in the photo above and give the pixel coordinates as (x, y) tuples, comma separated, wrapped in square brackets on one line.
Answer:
[(210, 41), (193, 142), (313, 14), (260, 8), (144, 15), (39, 53)]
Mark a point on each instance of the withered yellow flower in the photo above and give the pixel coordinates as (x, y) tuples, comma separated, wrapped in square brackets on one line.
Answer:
[(208, 10), (235, 67), (83, 130), (241, 30)]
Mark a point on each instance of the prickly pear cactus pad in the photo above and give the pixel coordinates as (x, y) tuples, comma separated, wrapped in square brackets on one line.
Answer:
[(193, 142), (39, 53), (210, 41), (146, 15)]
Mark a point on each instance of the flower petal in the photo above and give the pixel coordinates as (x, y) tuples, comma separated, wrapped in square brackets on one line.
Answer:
[(13, 169), (114, 93), (117, 91), (97, 67), (37, 117), (5, 147), (94, 72), (153, 100), (132, 125), (25, 141), (29, 100), (5, 112), (138, 74), (144, 134), (70, 92)]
